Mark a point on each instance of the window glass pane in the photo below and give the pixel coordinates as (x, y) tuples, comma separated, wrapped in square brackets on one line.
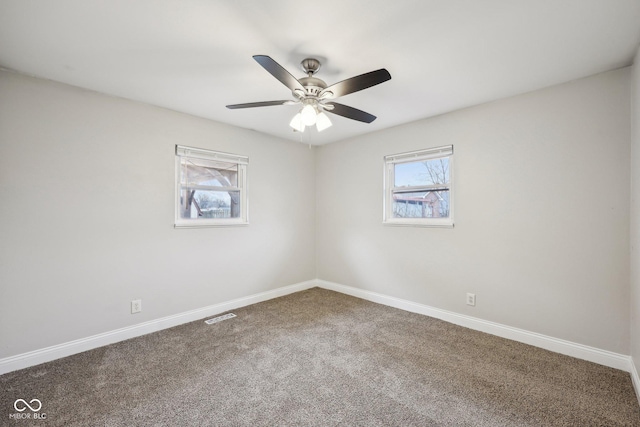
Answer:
[(425, 172), (194, 171), (423, 204), (209, 204)]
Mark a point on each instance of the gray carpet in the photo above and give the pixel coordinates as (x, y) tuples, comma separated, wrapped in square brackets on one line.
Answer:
[(320, 358)]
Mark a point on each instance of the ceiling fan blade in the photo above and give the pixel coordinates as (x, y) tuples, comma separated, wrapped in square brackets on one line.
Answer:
[(257, 104), (350, 112), (357, 83), (278, 72)]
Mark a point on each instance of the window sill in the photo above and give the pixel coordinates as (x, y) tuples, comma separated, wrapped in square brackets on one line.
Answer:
[(210, 224), (430, 224)]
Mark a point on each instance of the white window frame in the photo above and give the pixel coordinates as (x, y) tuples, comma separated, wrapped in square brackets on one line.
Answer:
[(200, 153), (389, 180)]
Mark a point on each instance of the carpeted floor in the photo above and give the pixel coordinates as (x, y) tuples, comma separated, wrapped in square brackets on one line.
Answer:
[(320, 358)]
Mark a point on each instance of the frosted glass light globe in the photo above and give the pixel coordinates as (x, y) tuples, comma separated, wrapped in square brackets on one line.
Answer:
[(296, 123), (323, 122), (308, 114)]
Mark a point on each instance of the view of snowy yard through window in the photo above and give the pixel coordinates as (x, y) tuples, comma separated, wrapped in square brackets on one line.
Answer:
[(210, 188)]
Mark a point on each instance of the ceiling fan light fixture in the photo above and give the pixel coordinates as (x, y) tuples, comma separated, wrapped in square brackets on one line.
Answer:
[(315, 95), (323, 122), (308, 115), (296, 123)]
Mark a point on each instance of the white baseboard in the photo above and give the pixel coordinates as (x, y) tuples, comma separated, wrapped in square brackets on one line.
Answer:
[(636, 379), (48, 354), (592, 354)]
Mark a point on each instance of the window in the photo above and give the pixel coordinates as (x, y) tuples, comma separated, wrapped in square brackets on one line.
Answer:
[(211, 188), (418, 188)]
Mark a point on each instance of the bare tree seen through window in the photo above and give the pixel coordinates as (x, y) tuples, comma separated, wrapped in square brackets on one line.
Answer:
[(423, 203)]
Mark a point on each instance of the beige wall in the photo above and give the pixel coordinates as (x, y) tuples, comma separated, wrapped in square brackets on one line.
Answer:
[(635, 214), (87, 188), (541, 213)]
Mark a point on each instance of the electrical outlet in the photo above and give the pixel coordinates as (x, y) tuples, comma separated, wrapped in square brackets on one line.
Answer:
[(136, 306), (471, 299)]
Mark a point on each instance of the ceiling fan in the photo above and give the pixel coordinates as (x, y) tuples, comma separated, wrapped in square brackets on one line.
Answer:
[(315, 96)]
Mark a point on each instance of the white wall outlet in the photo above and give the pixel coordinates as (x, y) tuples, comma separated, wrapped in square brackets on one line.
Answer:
[(136, 306), (471, 299)]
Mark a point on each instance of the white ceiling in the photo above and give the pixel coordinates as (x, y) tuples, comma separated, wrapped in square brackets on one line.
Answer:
[(194, 56)]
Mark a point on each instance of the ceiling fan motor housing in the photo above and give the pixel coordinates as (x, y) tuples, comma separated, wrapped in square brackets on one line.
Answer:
[(312, 85)]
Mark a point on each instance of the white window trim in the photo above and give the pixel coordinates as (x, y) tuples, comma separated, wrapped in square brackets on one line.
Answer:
[(416, 156), (242, 161)]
